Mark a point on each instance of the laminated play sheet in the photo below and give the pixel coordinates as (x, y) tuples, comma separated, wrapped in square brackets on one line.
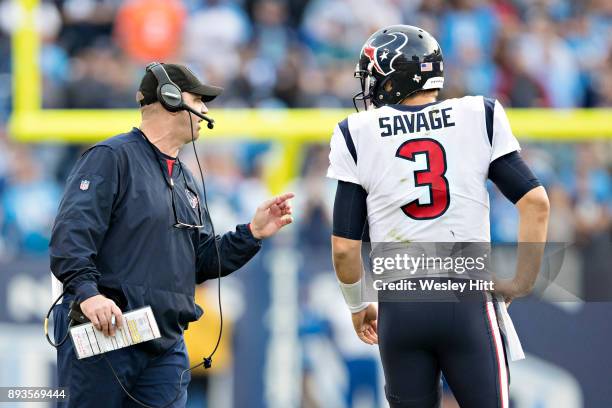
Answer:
[(138, 326)]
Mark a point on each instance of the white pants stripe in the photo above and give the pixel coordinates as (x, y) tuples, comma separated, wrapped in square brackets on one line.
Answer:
[(499, 352)]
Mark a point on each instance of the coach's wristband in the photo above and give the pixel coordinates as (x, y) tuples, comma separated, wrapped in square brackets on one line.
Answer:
[(352, 296)]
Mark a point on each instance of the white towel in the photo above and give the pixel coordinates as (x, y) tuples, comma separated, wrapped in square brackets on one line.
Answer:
[(513, 343)]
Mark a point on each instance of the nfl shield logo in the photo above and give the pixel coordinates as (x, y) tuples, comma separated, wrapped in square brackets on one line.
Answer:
[(84, 185)]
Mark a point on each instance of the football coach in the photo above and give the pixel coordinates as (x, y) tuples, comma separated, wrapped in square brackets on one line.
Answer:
[(132, 230)]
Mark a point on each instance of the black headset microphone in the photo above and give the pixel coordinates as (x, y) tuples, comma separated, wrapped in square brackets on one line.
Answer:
[(211, 121), (170, 96)]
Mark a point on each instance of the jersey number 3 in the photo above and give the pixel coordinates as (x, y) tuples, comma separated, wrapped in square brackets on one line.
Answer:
[(427, 208)]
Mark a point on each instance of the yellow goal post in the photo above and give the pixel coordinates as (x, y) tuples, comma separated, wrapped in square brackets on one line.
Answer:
[(289, 129)]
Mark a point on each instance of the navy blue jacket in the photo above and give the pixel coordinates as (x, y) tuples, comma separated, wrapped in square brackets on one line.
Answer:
[(114, 235)]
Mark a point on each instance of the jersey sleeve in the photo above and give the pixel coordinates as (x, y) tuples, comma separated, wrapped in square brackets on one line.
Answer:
[(503, 141), (342, 156), (82, 221), (512, 176), (350, 211)]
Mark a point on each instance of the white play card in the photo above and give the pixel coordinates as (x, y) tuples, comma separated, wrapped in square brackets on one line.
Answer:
[(138, 326)]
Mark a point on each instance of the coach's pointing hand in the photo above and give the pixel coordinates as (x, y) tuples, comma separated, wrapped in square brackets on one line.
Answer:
[(100, 311), (366, 324), (271, 216)]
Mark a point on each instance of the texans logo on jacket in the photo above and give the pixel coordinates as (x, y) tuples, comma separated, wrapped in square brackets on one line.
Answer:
[(193, 199)]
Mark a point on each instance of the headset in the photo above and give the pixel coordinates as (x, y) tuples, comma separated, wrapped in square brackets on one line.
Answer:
[(170, 96)]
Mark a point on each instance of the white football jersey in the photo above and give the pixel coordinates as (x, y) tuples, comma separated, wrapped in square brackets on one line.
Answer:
[(424, 167)]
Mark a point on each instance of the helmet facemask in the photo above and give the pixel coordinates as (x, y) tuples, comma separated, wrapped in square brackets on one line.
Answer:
[(368, 84)]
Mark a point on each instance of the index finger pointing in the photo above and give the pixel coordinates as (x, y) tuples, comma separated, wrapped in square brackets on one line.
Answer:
[(278, 200)]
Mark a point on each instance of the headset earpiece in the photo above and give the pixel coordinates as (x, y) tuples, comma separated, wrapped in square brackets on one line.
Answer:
[(168, 93)]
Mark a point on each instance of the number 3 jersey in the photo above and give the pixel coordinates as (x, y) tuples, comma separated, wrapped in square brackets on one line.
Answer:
[(424, 167)]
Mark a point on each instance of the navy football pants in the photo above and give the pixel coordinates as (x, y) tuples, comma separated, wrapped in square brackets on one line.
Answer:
[(91, 383), (420, 340)]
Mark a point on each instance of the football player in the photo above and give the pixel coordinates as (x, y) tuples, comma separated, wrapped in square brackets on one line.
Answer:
[(416, 168)]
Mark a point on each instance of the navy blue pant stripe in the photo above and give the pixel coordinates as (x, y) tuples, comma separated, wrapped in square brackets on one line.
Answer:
[(489, 105), (348, 139)]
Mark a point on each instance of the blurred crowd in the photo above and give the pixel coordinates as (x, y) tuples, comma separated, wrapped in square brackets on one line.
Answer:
[(300, 53)]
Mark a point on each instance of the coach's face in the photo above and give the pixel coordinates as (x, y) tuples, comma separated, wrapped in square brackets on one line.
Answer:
[(195, 102)]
